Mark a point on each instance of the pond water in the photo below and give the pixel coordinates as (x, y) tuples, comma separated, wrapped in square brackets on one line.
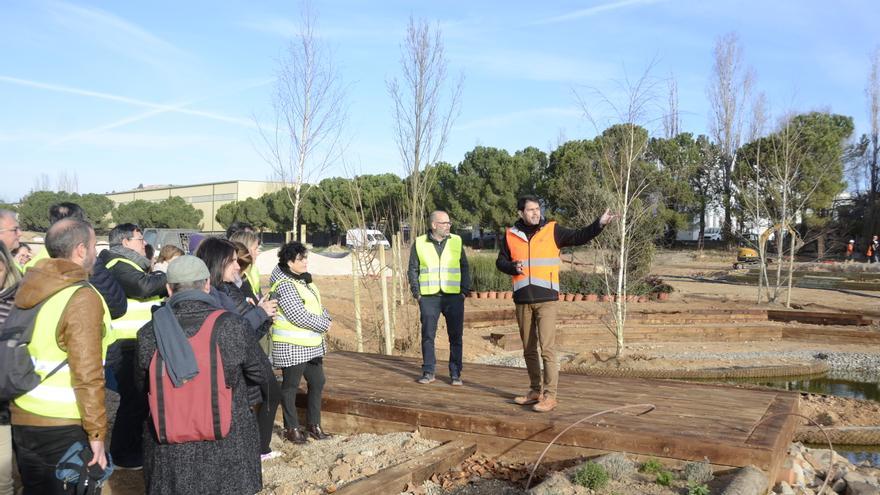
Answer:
[(839, 387), (836, 386)]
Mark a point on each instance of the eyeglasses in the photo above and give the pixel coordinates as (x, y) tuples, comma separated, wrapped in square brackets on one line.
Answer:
[(137, 239), (13, 229), (443, 223)]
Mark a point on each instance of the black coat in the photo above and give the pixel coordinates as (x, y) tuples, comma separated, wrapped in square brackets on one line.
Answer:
[(227, 466), (110, 290), (136, 284)]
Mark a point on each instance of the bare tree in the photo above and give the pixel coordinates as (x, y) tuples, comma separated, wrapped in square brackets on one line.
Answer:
[(728, 92), (626, 180), (309, 114), (872, 93), (672, 119), (67, 182), (42, 183), (423, 113)]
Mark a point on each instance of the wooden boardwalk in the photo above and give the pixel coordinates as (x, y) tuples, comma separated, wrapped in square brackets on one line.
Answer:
[(729, 426)]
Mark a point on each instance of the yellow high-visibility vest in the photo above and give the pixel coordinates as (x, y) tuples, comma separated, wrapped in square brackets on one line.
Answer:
[(140, 311), (439, 272), (54, 397), (283, 330)]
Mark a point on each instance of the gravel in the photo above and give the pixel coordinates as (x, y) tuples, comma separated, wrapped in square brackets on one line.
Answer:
[(853, 366), (323, 466)]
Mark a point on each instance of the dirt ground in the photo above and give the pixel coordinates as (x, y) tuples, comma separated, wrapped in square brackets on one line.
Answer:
[(321, 465)]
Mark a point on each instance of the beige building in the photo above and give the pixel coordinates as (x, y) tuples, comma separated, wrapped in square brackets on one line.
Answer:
[(205, 197)]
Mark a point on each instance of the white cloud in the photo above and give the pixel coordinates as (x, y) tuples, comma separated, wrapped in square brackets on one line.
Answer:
[(518, 118), (157, 107), (536, 66), (596, 9), (114, 33)]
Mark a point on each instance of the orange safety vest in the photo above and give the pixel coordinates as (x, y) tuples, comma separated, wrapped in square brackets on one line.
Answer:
[(539, 257)]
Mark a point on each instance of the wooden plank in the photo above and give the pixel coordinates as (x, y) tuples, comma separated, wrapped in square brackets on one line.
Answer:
[(692, 420), (817, 318), (394, 479)]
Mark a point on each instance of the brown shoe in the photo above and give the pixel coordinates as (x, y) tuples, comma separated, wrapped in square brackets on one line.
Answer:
[(317, 433), (530, 398), (546, 404), (295, 435)]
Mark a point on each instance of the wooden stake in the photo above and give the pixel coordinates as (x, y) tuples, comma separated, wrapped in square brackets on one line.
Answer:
[(302, 233), (355, 272), (389, 343), (395, 282)]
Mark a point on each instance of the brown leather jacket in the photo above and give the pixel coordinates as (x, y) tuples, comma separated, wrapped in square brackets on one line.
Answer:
[(79, 334)]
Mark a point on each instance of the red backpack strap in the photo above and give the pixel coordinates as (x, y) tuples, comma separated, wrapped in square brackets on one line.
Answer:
[(208, 325)]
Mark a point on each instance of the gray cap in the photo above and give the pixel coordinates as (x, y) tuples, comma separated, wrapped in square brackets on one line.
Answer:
[(187, 268)]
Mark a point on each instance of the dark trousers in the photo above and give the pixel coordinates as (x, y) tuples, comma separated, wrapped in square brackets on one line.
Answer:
[(451, 306), (126, 442), (37, 450), (271, 392), (313, 371)]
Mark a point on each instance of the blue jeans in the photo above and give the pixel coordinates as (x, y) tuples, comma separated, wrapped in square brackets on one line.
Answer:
[(451, 306)]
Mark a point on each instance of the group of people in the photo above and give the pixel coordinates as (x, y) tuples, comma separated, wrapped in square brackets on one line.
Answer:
[(105, 320), (439, 279), (872, 252), (202, 324)]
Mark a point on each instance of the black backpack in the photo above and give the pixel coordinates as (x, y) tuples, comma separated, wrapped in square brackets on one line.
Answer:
[(17, 373)]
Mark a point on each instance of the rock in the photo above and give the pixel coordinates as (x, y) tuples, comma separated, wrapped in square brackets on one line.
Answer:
[(369, 470), (839, 486), (287, 489), (747, 481), (854, 476), (861, 488), (341, 472), (783, 488)]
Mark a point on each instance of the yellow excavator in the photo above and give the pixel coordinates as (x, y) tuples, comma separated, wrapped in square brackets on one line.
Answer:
[(747, 255)]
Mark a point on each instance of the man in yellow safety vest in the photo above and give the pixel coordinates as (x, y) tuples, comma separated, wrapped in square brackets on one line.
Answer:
[(72, 326), (439, 279), (126, 262)]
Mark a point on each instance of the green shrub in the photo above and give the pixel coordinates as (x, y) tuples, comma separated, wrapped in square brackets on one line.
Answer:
[(698, 473), (664, 478), (570, 282), (485, 276), (592, 476), (696, 489), (651, 466), (617, 465)]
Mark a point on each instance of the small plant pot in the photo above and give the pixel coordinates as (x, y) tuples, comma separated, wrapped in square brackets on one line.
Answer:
[(508, 294), (561, 296), (631, 298), (643, 299), (569, 297), (492, 294), (663, 296), (607, 298), (483, 294), (591, 297)]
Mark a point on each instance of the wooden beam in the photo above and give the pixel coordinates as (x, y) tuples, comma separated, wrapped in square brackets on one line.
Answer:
[(394, 479)]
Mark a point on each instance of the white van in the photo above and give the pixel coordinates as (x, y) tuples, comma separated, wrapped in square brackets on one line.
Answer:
[(356, 238), (712, 234)]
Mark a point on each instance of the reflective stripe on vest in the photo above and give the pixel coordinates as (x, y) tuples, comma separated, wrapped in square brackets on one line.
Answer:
[(139, 312), (253, 278), (41, 255), (439, 272), (283, 330), (55, 397), (539, 257)]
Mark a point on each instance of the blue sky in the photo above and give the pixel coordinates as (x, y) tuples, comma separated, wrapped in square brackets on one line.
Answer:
[(128, 93)]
